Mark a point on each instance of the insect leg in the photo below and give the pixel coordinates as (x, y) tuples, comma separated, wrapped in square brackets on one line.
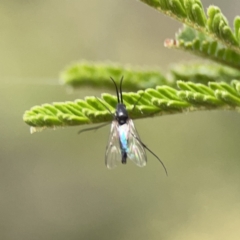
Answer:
[(135, 104), (105, 106), (93, 128), (151, 153)]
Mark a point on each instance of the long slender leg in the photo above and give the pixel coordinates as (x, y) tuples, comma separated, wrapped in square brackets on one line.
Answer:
[(105, 106), (144, 145), (93, 128), (135, 104)]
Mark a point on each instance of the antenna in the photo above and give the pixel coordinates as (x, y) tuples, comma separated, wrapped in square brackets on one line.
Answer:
[(120, 91), (116, 89)]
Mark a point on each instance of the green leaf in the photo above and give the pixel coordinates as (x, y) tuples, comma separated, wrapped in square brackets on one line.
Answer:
[(95, 74), (203, 72), (218, 25), (153, 102), (191, 13), (197, 43), (237, 28), (195, 13)]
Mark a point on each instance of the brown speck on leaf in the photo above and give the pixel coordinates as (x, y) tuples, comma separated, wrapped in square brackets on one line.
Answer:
[(169, 43)]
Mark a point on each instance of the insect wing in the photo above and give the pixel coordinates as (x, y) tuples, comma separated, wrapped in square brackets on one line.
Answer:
[(113, 153), (137, 151)]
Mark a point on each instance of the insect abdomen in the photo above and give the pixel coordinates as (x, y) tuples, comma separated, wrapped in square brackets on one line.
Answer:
[(123, 142)]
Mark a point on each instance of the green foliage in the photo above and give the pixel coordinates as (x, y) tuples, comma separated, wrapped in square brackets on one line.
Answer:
[(197, 43), (218, 25), (161, 100), (85, 74), (191, 13), (209, 37), (188, 87), (203, 73), (97, 75)]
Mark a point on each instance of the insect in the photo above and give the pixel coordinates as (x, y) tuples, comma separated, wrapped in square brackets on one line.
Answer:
[(124, 141)]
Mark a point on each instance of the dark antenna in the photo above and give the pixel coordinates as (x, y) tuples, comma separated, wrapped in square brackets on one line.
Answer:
[(120, 90), (118, 98), (116, 89)]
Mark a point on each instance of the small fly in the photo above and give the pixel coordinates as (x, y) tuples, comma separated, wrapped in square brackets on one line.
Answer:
[(124, 141)]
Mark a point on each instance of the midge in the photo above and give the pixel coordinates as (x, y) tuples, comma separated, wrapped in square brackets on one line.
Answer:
[(124, 141)]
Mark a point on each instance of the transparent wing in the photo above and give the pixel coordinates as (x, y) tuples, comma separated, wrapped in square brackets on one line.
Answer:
[(137, 151), (113, 153), (137, 148)]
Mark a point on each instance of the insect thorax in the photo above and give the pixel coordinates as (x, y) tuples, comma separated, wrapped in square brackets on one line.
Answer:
[(121, 114)]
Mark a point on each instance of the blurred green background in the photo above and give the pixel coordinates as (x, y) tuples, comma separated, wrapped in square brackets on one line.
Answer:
[(54, 184)]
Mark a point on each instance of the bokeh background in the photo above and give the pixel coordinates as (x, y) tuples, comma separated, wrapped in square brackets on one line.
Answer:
[(54, 184)]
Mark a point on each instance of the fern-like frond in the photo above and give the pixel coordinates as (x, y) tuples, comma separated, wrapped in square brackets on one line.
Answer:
[(154, 101), (197, 43), (97, 74), (94, 74), (191, 13), (203, 72)]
